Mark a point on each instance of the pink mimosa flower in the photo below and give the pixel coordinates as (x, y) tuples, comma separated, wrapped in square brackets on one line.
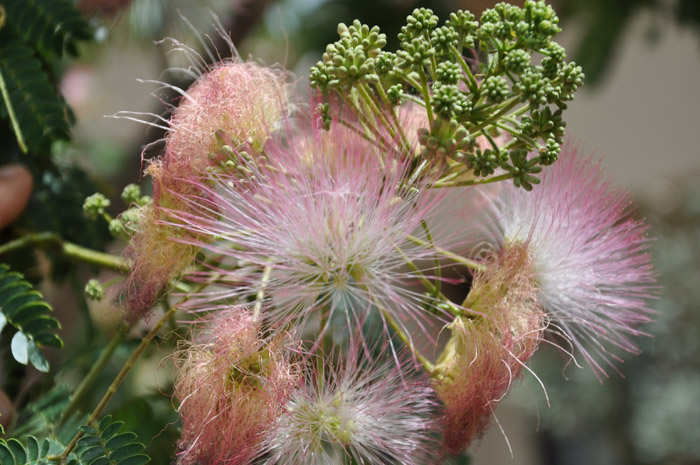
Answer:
[(356, 411), (590, 256), (322, 222)]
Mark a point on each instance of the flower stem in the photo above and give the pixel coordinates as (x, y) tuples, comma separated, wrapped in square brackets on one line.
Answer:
[(260, 296), (112, 389), (369, 101), (94, 373), (427, 364), (52, 241), (426, 97), (474, 265), (473, 182), (397, 123), (11, 114), (450, 306), (465, 67)]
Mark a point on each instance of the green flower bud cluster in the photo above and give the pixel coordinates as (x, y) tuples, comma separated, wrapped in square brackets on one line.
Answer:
[(444, 39), (96, 205), (394, 93), (485, 162), (450, 102), (94, 290), (495, 89), (452, 138), (351, 59), (418, 24), (448, 73), (416, 54), (132, 194), (545, 124), (523, 169), (501, 74), (463, 22), (124, 225)]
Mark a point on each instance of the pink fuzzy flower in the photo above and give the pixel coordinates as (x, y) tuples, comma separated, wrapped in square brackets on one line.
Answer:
[(231, 387), (356, 412), (328, 215), (591, 265)]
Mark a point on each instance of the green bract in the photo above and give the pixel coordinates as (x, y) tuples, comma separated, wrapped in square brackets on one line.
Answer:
[(499, 76)]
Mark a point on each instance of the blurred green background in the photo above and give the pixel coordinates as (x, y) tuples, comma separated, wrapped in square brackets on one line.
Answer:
[(640, 110)]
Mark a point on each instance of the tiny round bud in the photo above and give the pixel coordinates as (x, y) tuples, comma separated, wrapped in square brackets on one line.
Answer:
[(131, 194), (95, 205), (94, 290)]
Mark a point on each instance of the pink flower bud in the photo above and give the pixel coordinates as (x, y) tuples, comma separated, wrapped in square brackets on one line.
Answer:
[(231, 386), (487, 352), (234, 103)]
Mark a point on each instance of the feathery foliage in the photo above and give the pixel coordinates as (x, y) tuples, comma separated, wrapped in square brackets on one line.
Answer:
[(34, 33), (13, 452), (105, 445)]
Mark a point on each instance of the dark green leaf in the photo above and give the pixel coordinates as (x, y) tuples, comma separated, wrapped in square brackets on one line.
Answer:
[(89, 430), (119, 440), (48, 339), (105, 422), (92, 453), (32, 448), (126, 451), (17, 450), (23, 308), (37, 358), (5, 454), (111, 430), (91, 440), (31, 311), (12, 305), (136, 460), (41, 324), (48, 24), (100, 461)]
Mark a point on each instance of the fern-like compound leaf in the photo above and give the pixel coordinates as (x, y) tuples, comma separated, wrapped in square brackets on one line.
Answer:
[(50, 25), (105, 444), (32, 452), (41, 114)]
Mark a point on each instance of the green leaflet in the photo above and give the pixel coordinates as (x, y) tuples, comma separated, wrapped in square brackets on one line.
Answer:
[(24, 308)]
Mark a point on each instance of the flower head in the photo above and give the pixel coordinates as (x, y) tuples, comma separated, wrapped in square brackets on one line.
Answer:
[(357, 411), (591, 266), (328, 215), (231, 386)]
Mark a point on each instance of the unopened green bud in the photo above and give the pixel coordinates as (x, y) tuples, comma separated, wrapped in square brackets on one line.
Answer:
[(131, 194), (94, 290), (95, 205), (117, 229)]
